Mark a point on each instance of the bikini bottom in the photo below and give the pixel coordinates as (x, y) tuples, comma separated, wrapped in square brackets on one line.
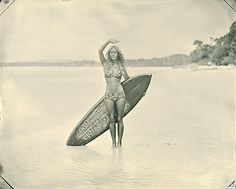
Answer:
[(114, 96)]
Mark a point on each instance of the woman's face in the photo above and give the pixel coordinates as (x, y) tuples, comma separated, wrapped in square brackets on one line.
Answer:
[(113, 54)]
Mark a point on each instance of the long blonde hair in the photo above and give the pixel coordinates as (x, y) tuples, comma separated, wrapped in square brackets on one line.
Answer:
[(120, 57)]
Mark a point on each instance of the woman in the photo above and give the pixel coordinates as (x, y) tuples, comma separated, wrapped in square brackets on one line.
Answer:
[(114, 98)]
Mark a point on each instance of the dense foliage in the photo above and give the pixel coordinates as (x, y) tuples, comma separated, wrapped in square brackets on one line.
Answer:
[(221, 51)]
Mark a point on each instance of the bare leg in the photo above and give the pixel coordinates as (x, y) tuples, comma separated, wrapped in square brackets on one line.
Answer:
[(110, 105), (120, 104)]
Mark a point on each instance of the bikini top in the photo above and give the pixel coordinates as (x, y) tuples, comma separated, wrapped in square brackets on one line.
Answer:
[(108, 73)]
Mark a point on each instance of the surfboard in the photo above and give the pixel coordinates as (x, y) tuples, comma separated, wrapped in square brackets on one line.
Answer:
[(96, 121)]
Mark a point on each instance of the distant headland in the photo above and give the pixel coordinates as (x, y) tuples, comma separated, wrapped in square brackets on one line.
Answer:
[(173, 60)]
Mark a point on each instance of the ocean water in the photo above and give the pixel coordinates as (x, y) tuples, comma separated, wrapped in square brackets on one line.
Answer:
[(180, 135)]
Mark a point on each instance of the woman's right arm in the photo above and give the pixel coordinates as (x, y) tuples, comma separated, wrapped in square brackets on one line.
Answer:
[(100, 51)]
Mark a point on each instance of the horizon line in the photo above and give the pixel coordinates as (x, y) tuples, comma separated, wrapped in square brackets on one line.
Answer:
[(77, 60)]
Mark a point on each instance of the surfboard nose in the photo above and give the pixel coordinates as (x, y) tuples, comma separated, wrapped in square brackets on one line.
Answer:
[(149, 76), (146, 78)]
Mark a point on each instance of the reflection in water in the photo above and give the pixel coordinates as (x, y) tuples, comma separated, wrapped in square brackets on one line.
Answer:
[(82, 153), (103, 166)]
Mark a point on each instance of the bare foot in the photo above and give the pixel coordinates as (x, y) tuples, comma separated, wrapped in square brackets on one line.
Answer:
[(119, 144), (113, 145)]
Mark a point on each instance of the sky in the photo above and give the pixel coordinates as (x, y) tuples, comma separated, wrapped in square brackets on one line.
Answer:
[(58, 30)]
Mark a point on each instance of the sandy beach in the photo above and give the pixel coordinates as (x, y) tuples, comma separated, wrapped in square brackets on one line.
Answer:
[(180, 135)]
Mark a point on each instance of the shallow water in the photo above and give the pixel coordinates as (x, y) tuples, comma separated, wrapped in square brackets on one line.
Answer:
[(180, 135)]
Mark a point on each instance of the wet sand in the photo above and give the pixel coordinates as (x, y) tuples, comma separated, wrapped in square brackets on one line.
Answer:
[(180, 135)]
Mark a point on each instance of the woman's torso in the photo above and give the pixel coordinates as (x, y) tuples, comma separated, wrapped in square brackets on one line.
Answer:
[(113, 75)]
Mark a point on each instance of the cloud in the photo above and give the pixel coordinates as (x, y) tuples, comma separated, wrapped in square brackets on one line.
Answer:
[(62, 30)]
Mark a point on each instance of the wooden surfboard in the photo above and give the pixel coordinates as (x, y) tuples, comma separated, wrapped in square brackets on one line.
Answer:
[(96, 121)]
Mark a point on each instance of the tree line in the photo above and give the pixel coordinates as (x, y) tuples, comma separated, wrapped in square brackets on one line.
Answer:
[(221, 51)]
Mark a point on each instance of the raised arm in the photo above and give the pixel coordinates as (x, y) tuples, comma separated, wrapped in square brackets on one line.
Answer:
[(100, 51)]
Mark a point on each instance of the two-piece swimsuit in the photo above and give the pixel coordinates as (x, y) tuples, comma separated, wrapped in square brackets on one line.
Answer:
[(114, 96)]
